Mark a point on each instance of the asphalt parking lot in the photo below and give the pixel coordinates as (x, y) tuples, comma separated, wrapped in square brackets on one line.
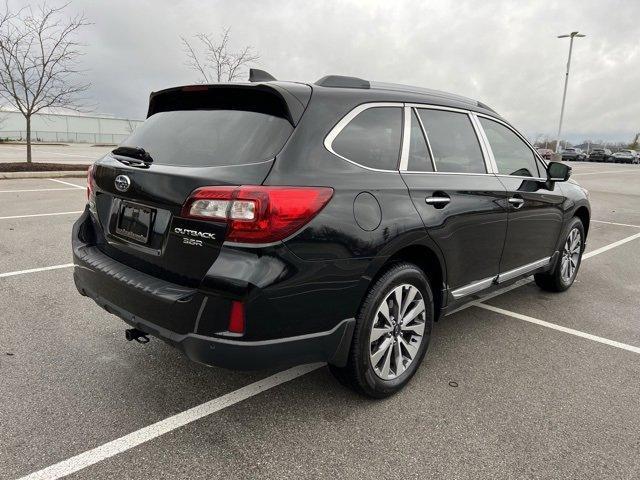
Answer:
[(525, 384)]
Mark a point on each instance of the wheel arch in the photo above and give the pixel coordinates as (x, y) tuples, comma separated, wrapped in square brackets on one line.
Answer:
[(428, 260), (583, 214)]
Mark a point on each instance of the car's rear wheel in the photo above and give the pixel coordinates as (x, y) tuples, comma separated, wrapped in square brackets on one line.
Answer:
[(564, 273), (392, 333)]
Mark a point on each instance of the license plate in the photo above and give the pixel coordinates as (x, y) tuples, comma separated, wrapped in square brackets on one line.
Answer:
[(134, 222)]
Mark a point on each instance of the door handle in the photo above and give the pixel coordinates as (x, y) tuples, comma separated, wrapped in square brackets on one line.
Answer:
[(438, 200), (516, 202)]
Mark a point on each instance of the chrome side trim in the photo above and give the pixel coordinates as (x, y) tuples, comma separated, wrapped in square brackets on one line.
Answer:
[(516, 272), (335, 131), (472, 287)]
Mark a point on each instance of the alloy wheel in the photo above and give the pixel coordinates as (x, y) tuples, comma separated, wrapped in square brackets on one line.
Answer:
[(397, 331), (571, 255)]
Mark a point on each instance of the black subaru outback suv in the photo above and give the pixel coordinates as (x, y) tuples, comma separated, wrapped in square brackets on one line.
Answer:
[(268, 223)]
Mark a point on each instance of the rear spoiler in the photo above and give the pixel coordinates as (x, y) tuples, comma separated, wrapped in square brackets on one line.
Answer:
[(282, 99)]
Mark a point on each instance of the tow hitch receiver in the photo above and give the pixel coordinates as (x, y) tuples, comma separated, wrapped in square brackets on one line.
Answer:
[(137, 335)]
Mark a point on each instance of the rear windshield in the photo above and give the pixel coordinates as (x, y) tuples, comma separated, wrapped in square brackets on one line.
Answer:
[(211, 138)]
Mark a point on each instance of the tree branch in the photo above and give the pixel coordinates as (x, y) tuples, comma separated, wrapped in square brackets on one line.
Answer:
[(217, 62)]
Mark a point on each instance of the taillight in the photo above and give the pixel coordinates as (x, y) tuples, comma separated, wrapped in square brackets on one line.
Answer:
[(257, 214), (90, 184)]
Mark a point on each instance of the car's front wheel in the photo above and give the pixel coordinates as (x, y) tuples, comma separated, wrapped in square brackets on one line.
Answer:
[(392, 333), (564, 273)]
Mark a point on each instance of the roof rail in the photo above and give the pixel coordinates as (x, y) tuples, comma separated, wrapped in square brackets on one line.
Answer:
[(340, 81), (257, 75)]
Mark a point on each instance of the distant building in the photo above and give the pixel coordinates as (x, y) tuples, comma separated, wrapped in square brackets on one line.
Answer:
[(53, 127)]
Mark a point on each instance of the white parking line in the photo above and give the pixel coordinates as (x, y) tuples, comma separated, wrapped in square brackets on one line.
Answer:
[(600, 250), (122, 444), (39, 190), (614, 223), (40, 215), (33, 270), (560, 328), (68, 183)]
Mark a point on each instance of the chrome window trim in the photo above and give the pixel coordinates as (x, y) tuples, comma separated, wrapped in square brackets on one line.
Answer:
[(490, 161), (344, 121), (536, 179), (426, 138), (404, 162), (536, 155), (449, 173), (406, 138), (424, 106), (437, 107)]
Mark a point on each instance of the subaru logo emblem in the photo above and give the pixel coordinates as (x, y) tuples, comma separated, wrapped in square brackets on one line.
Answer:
[(122, 183)]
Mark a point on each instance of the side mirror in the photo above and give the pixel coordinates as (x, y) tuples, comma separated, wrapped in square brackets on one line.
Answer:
[(558, 172)]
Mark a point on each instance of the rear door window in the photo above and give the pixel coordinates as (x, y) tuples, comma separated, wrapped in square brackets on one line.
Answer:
[(512, 155), (372, 138), (453, 141), (210, 138)]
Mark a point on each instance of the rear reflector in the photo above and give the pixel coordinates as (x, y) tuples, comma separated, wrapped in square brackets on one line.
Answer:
[(236, 317), (257, 214)]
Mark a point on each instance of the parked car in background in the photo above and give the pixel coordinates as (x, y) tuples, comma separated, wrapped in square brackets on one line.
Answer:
[(600, 155), (546, 153), (626, 156), (573, 154)]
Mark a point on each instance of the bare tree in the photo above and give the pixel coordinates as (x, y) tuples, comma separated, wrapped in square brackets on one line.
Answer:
[(217, 63), (39, 60)]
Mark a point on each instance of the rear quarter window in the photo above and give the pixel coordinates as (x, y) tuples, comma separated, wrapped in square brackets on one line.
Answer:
[(210, 138), (372, 138)]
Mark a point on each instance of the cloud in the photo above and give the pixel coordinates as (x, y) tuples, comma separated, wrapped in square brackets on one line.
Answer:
[(501, 52)]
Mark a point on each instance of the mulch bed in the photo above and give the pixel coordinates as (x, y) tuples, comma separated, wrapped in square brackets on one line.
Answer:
[(41, 167)]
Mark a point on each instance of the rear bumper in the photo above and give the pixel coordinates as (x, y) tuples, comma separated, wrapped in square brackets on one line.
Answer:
[(153, 305), (332, 346)]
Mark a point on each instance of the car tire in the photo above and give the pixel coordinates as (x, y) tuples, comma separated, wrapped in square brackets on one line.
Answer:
[(566, 269), (380, 375)]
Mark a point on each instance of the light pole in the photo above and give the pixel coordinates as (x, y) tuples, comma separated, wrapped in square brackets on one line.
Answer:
[(566, 81)]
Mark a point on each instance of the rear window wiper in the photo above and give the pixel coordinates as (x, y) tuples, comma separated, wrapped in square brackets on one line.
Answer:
[(133, 156)]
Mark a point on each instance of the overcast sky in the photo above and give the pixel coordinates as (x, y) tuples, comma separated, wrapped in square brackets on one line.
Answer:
[(503, 53)]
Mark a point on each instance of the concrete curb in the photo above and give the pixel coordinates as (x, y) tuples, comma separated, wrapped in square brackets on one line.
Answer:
[(64, 174)]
